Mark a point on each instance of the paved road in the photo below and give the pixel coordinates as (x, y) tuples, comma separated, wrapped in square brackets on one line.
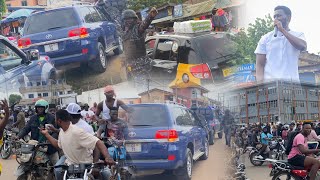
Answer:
[(256, 172), (214, 168)]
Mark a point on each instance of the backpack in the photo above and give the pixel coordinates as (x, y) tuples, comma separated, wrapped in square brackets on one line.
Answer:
[(291, 137)]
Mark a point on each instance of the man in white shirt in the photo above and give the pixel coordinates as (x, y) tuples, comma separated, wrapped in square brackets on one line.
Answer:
[(277, 54), (75, 143), (75, 111), (87, 114)]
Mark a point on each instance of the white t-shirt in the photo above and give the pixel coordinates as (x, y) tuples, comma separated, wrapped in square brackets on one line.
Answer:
[(87, 115), (282, 57), (75, 143), (85, 126)]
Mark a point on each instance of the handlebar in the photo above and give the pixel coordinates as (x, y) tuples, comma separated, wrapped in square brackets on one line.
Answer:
[(99, 165)]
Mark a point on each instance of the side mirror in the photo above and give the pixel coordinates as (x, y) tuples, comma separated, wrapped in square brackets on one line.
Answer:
[(33, 54)]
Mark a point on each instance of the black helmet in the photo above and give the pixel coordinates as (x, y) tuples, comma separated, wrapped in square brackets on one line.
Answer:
[(129, 14)]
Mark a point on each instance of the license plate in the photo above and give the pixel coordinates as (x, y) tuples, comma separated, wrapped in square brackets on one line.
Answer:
[(133, 147), (51, 47)]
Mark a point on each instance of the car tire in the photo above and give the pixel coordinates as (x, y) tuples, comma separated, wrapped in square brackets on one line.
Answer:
[(185, 172), (205, 156), (211, 138), (100, 63), (119, 49)]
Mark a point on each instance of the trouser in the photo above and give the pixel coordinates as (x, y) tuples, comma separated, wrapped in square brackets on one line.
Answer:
[(54, 158), (58, 172), (227, 133), (264, 149)]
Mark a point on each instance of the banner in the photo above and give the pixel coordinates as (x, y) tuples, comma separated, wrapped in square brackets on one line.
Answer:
[(178, 10)]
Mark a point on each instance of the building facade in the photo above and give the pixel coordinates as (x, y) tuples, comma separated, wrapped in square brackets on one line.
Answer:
[(275, 101), (50, 91)]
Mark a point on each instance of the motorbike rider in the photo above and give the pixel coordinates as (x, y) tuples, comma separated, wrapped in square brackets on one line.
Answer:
[(3, 122), (265, 136), (37, 121), (299, 154), (21, 119), (76, 144), (133, 37)]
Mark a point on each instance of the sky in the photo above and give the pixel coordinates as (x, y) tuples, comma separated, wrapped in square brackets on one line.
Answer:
[(305, 17)]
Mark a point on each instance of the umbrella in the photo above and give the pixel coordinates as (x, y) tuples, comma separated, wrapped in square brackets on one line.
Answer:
[(21, 13)]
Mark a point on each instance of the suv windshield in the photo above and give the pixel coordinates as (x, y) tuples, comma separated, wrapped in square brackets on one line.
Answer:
[(214, 46), (8, 58), (50, 20), (146, 116)]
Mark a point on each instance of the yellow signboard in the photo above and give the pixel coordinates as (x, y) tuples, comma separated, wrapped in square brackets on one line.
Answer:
[(229, 71)]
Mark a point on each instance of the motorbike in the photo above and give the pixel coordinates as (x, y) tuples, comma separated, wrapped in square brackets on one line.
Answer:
[(118, 152), (81, 171), (9, 145), (34, 163), (85, 171), (284, 170), (277, 151)]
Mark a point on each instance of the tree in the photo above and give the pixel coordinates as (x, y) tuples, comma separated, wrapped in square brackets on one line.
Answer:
[(141, 4), (247, 41), (14, 99), (3, 8)]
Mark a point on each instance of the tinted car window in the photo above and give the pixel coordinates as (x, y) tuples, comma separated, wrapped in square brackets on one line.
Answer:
[(95, 15), (8, 58), (50, 20), (182, 117), (145, 116), (214, 47), (85, 13)]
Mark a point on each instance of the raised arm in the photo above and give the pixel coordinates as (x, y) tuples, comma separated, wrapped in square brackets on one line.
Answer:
[(146, 23)]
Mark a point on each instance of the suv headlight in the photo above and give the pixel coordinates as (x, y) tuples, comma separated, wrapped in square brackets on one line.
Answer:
[(25, 157)]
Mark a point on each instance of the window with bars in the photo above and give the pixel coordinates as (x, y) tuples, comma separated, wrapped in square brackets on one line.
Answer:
[(314, 104)]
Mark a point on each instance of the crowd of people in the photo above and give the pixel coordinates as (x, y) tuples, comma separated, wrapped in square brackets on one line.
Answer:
[(74, 132)]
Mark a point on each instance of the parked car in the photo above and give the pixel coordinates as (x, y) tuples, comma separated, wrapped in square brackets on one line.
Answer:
[(18, 70), (72, 36), (212, 119), (165, 138), (212, 48)]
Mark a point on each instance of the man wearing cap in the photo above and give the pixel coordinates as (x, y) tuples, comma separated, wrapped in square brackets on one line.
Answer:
[(75, 111), (110, 102)]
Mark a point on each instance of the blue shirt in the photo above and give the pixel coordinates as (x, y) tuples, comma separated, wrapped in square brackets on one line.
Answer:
[(263, 136)]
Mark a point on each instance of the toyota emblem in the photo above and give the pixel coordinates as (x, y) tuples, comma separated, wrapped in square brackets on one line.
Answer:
[(132, 134), (48, 36)]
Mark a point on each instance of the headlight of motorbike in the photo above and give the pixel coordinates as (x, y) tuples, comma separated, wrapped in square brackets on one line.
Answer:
[(25, 157)]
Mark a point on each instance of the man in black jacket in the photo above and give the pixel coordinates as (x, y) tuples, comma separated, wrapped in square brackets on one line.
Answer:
[(38, 121)]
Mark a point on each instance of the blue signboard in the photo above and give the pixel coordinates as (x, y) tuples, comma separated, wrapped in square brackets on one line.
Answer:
[(246, 67), (178, 11), (144, 13)]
